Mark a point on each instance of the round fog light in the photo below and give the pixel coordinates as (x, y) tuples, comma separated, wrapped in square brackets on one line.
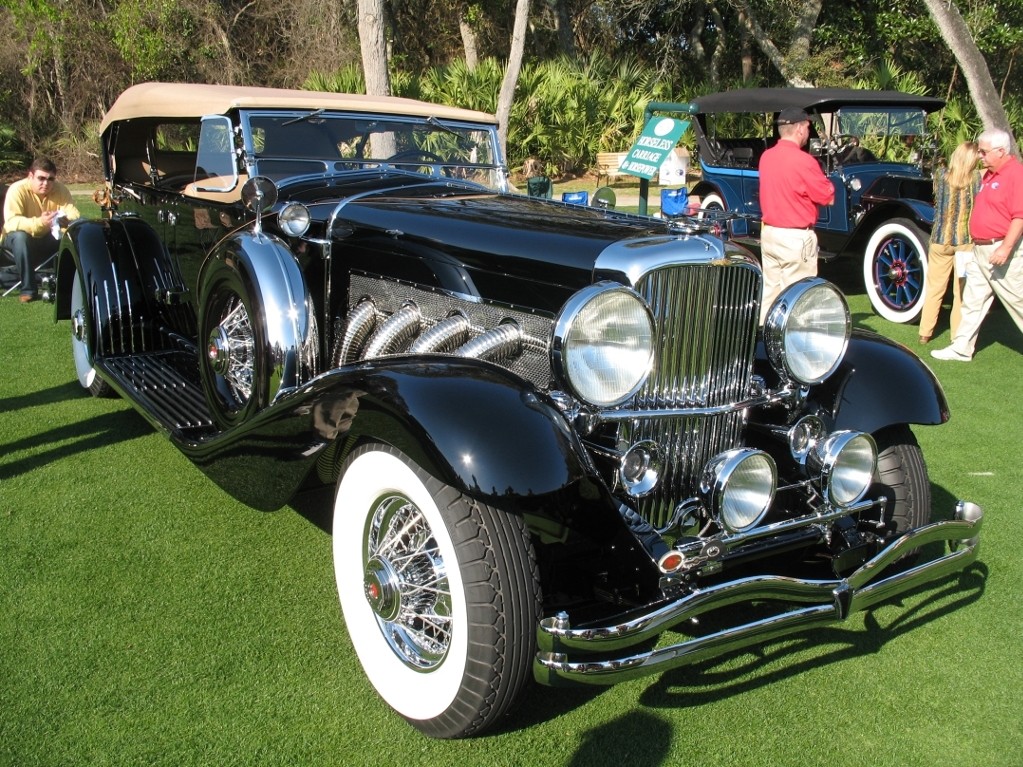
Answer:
[(803, 435), (640, 468), (739, 486), (843, 466), (294, 219)]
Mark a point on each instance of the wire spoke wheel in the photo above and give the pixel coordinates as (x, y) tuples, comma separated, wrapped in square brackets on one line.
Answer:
[(231, 351), (406, 583), (82, 334)]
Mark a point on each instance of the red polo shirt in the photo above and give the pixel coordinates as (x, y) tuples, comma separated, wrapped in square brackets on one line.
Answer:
[(999, 200), (792, 185)]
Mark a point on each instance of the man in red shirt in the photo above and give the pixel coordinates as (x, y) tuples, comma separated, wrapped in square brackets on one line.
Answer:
[(792, 185), (996, 228)]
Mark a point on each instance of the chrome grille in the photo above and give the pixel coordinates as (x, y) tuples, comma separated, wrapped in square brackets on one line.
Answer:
[(706, 318)]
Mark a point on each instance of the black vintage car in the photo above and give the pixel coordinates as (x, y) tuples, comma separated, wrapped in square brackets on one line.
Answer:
[(556, 432)]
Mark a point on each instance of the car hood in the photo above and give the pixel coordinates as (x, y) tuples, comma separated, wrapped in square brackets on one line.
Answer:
[(486, 232)]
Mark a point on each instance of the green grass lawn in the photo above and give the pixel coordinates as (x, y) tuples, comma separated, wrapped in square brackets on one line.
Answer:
[(146, 618)]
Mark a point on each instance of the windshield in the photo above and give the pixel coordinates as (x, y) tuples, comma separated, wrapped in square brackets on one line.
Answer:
[(285, 143), (890, 134)]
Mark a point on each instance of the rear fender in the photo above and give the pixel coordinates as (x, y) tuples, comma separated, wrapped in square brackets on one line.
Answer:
[(102, 252)]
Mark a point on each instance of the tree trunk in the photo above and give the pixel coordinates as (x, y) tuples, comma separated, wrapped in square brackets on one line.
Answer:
[(563, 24), (806, 21), (696, 36), (468, 42), (720, 47), (787, 64), (746, 50), (511, 74), (957, 37), (374, 47)]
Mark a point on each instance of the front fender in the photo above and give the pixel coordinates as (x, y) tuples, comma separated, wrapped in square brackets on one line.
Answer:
[(881, 383), (920, 213), (473, 425)]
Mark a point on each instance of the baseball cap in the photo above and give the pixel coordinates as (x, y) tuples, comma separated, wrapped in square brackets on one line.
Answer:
[(792, 115)]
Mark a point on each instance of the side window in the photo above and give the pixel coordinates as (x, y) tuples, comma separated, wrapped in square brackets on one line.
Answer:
[(174, 146), (215, 168)]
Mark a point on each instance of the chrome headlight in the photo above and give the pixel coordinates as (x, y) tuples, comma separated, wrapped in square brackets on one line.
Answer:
[(807, 331), (603, 344), (738, 487), (294, 219), (842, 466)]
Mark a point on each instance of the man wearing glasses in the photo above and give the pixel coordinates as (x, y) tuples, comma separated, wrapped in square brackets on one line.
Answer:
[(996, 227), (36, 209)]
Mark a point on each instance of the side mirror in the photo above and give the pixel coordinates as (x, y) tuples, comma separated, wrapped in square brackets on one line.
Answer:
[(259, 195)]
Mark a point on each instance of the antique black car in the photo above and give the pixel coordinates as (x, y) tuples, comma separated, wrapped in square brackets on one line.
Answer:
[(556, 432), (873, 146)]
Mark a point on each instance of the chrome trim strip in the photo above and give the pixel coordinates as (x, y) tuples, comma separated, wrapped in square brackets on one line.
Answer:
[(627, 415), (563, 656), (730, 541)]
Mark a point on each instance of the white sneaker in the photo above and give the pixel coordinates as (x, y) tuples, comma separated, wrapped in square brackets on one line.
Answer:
[(949, 353)]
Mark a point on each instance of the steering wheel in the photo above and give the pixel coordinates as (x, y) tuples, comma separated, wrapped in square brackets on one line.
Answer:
[(842, 141), (408, 155)]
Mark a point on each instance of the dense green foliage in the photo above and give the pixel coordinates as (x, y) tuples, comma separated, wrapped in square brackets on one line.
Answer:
[(588, 63)]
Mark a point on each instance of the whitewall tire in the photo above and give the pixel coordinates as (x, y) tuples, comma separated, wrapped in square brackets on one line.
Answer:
[(439, 593)]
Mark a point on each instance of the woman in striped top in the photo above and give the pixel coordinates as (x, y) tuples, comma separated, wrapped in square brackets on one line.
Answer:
[(954, 188)]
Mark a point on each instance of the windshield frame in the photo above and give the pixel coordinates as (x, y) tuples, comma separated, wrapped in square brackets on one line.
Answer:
[(345, 147)]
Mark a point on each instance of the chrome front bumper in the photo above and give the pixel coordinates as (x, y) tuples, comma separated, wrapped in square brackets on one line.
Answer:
[(593, 655)]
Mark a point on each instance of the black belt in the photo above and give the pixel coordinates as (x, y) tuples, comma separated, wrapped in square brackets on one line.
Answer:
[(802, 228), (987, 242)]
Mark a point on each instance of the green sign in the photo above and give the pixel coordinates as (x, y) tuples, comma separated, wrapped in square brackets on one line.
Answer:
[(658, 138)]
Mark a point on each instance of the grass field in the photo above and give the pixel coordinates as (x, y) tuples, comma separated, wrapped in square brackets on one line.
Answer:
[(146, 618)]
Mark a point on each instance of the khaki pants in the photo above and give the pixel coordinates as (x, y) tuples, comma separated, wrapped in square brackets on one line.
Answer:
[(787, 256), (983, 283), (941, 263)]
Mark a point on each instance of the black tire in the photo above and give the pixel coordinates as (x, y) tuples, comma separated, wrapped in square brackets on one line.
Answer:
[(454, 658), (895, 270), (901, 477), (81, 338), (234, 368)]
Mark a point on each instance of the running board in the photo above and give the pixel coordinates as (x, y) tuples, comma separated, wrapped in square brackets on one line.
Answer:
[(159, 383)]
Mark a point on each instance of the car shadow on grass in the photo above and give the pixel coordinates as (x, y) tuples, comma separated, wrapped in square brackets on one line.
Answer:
[(52, 396), (32, 452), (317, 506)]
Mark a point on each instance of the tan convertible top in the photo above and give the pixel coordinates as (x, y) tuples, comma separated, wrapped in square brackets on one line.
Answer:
[(191, 100)]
